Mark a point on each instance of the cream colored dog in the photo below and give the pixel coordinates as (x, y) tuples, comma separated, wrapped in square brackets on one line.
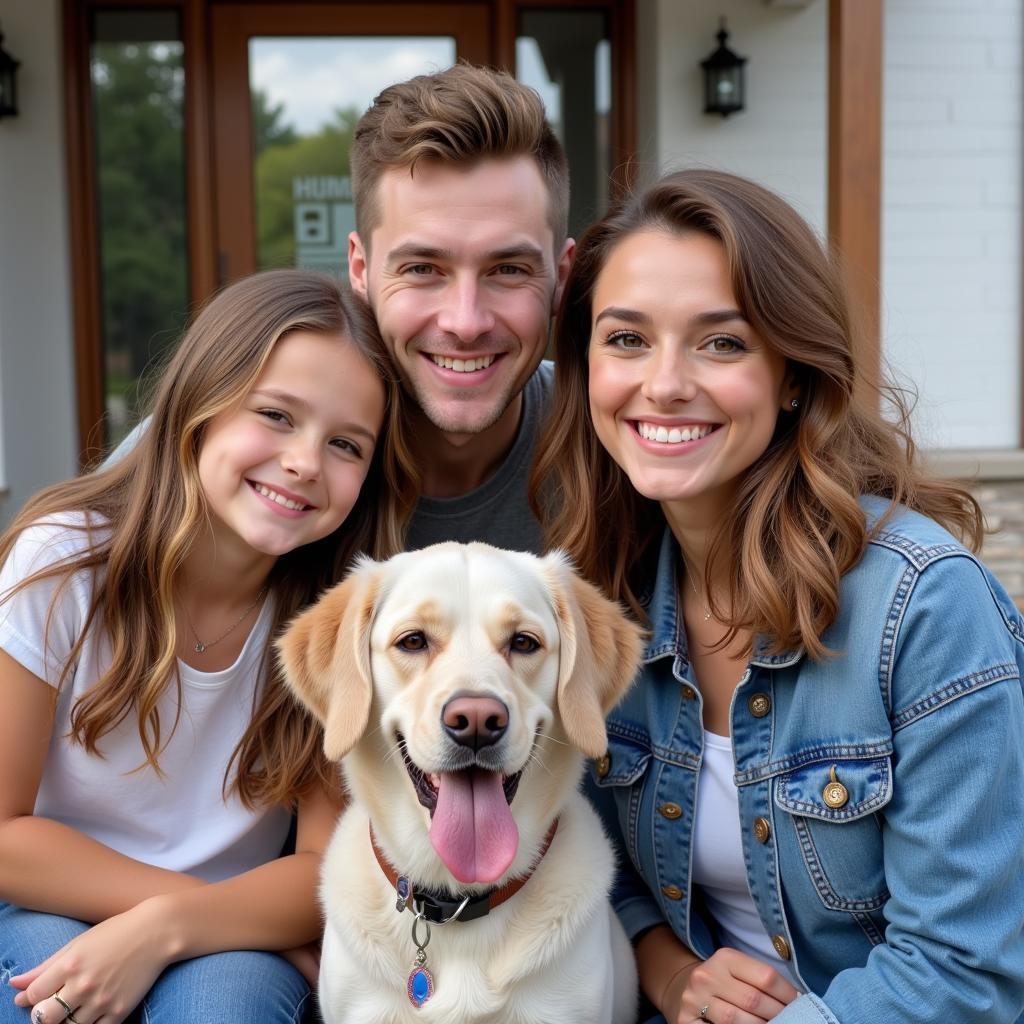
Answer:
[(460, 687)]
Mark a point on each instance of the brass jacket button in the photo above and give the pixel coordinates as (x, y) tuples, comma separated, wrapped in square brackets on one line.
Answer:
[(759, 704), (835, 794), (672, 892), (688, 692), (670, 811), (603, 766), (762, 830), (781, 946)]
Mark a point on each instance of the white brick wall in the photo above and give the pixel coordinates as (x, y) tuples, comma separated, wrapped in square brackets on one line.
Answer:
[(952, 215), (780, 140), (952, 172), (38, 429)]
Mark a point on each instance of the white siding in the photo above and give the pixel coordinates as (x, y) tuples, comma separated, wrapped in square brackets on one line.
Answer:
[(952, 215), (37, 407), (780, 139)]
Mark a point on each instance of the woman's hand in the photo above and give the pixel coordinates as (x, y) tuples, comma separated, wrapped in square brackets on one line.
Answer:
[(102, 974), (733, 987)]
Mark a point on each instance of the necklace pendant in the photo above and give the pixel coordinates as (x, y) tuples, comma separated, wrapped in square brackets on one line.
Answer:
[(200, 647), (420, 986)]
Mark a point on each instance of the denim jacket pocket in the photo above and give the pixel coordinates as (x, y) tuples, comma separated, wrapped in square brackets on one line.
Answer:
[(620, 773), (832, 806)]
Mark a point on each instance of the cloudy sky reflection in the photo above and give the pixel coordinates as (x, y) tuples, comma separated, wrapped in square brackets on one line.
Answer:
[(312, 77)]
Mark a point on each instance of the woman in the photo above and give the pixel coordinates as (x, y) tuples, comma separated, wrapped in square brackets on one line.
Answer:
[(817, 780), (150, 755)]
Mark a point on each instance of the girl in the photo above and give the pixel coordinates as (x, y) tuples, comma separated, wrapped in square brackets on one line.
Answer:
[(150, 756), (817, 780)]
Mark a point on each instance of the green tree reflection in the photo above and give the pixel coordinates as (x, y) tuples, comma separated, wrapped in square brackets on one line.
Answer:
[(283, 157), (138, 97), (138, 102)]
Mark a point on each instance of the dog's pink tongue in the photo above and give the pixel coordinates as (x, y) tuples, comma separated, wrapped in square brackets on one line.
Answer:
[(472, 829)]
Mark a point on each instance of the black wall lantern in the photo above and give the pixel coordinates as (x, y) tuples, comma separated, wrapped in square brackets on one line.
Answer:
[(8, 86), (723, 79)]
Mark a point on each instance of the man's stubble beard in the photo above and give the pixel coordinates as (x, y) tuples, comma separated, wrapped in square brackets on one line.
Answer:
[(446, 423), (429, 411)]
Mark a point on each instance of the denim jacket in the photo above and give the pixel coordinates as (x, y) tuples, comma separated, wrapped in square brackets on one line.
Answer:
[(881, 791)]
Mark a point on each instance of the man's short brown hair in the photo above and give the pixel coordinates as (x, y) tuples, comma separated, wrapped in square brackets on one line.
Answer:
[(459, 116)]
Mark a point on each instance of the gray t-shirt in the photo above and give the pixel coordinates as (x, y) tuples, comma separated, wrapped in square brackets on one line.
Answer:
[(497, 512)]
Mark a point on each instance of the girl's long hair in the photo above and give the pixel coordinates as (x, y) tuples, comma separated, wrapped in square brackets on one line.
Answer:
[(144, 512), (796, 525)]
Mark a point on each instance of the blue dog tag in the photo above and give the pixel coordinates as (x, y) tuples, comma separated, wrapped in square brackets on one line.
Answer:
[(420, 986)]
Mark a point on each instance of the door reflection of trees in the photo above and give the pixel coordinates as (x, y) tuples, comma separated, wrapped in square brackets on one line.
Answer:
[(284, 161), (138, 93)]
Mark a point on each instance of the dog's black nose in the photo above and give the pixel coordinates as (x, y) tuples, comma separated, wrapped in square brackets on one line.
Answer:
[(475, 721)]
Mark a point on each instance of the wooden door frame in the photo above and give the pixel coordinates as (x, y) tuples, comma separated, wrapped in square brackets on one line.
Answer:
[(854, 155), (621, 15), (855, 163), (201, 175), (85, 279), (86, 303)]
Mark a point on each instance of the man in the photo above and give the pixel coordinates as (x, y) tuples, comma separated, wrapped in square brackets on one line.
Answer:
[(461, 195)]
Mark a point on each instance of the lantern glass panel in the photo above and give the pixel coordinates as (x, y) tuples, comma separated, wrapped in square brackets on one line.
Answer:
[(8, 95), (728, 88)]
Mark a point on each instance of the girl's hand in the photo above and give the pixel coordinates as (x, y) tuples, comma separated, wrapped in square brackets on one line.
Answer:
[(306, 960), (732, 986), (102, 974)]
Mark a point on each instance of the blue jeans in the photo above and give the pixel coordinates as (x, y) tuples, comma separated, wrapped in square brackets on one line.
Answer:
[(242, 985)]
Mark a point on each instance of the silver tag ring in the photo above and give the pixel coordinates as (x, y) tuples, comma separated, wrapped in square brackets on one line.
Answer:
[(415, 924)]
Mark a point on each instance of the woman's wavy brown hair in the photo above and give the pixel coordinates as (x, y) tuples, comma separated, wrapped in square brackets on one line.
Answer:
[(796, 526), (146, 510)]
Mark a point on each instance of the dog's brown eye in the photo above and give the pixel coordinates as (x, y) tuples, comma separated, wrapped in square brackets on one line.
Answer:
[(412, 642), (523, 643)]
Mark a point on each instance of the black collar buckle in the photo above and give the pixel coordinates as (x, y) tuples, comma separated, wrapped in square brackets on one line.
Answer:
[(439, 909)]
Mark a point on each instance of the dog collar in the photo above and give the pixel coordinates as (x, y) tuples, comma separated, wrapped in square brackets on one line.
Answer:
[(438, 908)]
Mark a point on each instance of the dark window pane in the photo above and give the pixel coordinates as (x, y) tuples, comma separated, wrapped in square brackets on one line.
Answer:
[(138, 85), (566, 56)]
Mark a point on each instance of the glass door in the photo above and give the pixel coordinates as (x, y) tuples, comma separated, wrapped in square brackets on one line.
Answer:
[(289, 83)]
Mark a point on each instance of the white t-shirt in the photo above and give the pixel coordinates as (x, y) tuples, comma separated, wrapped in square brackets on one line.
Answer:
[(718, 866), (179, 820)]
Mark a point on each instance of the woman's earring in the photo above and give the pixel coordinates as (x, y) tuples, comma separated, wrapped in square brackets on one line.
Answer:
[(794, 404)]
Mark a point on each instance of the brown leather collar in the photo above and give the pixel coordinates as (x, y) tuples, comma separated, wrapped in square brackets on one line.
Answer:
[(437, 908)]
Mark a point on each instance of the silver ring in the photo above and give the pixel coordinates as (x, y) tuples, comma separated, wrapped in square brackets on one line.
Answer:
[(458, 913), (415, 925), (68, 1011), (418, 911), (704, 1014)]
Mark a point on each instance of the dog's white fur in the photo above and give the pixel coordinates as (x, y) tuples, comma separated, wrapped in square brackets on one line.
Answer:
[(555, 951)]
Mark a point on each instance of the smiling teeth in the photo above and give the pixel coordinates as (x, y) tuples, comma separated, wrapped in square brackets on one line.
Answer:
[(463, 365), (280, 499), (673, 435)]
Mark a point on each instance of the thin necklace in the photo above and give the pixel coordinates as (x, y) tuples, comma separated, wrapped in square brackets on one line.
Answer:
[(696, 592), (200, 646)]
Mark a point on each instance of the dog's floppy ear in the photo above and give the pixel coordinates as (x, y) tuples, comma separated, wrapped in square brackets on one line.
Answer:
[(600, 653), (325, 655)]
